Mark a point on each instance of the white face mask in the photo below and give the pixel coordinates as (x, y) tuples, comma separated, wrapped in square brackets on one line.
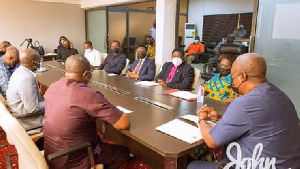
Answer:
[(62, 41), (196, 41), (176, 61), (88, 50)]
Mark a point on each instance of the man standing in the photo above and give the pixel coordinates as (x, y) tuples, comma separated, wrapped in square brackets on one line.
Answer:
[(23, 94), (9, 60), (115, 61), (194, 48), (263, 117), (3, 46), (143, 68), (176, 74), (153, 30), (92, 54), (70, 119)]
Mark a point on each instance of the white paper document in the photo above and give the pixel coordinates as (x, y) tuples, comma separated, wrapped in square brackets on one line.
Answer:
[(50, 54), (146, 83), (124, 110), (184, 95), (111, 74), (181, 130)]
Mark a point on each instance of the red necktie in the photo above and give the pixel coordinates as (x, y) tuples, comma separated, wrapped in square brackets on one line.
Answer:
[(138, 67)]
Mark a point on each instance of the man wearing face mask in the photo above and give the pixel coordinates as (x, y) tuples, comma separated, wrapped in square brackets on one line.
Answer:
[(92, 54), (176, 74), (23, 94), (263, 115), (240, 32), (194, 48), (219, 86), (66, 51), (143, 68), (72, 108), (115, 61), (150, 47)]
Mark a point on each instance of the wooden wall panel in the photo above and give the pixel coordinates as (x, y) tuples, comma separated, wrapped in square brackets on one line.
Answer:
[(216, 27)]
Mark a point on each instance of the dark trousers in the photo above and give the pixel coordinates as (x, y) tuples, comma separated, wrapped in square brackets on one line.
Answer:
[(112, 156)]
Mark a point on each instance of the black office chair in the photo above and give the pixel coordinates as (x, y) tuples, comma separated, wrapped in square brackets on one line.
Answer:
[(208, 52), (209, 69)]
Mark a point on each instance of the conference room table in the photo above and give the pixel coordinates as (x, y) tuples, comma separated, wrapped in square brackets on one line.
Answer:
[(150, 107)]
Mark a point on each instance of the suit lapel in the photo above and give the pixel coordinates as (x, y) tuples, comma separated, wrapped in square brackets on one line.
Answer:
[(178, 71)]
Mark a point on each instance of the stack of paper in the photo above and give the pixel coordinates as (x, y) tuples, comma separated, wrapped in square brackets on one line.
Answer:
[(146, 83), (181, 131), (184, 95)]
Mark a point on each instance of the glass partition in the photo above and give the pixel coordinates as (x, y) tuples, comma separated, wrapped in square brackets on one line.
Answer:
[(278, 40)]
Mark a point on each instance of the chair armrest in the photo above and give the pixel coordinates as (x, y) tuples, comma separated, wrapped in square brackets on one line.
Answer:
[(28, 115), (69, 150), (8, 162)]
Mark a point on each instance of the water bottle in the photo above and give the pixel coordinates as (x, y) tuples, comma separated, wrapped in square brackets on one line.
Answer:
[(41, 62), (200, 93)]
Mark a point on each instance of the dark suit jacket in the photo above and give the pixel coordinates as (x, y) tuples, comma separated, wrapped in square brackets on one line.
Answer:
[(65, 53), (114, 64), (183, 78), (147, 70)]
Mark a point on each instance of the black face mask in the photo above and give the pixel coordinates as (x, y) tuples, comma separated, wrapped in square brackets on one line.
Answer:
[(235, 89), (115, 50), (2, 53), (224, 71), (141, 55)]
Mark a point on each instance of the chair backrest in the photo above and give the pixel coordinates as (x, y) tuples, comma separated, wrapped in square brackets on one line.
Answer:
[(126, 67), (157, 68), (103, 56), (131, 41), (28, 154), (231, 48), (196, 78)]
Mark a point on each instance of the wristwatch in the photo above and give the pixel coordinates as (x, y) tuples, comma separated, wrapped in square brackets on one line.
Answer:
[(202, 119)]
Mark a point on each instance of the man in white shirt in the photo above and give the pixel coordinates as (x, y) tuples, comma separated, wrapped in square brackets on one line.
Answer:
[(92, 54), (23, 94)]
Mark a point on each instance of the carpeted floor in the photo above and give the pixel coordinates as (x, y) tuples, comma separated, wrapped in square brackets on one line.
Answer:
[(133, 163)]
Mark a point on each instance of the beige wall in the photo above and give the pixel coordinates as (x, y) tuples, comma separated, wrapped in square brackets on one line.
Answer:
[(42, 21)]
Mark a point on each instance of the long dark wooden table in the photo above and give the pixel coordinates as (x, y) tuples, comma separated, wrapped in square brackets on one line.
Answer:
[(153, 147)]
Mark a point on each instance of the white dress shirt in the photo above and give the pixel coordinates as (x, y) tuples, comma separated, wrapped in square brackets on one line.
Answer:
[(24, 97), (93, 56)]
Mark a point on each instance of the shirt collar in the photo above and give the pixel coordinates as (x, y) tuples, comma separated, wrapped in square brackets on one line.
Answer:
[(5, 65), (28, 70)]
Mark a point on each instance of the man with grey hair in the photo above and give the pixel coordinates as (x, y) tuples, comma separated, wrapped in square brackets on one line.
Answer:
[(261, 125), (23, 94), (7, 61)]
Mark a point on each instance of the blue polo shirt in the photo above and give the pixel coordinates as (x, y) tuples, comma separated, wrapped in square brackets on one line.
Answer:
[(265, 115)]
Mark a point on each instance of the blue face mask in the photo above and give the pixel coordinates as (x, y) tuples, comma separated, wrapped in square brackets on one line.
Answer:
[(196, 41), (88, 50)]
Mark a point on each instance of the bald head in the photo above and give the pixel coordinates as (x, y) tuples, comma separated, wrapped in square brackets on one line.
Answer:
[(11, 57), (30, 59), (77, 64), (251, 63), (78, 68)]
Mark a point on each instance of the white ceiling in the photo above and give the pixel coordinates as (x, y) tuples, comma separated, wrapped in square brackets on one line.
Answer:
[(93, 3)]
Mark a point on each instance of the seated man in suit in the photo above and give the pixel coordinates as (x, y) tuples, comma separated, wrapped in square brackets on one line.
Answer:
[(176, 74), (142, 68), (72, 109), (66, 51), (115, 61), (23, 94)]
